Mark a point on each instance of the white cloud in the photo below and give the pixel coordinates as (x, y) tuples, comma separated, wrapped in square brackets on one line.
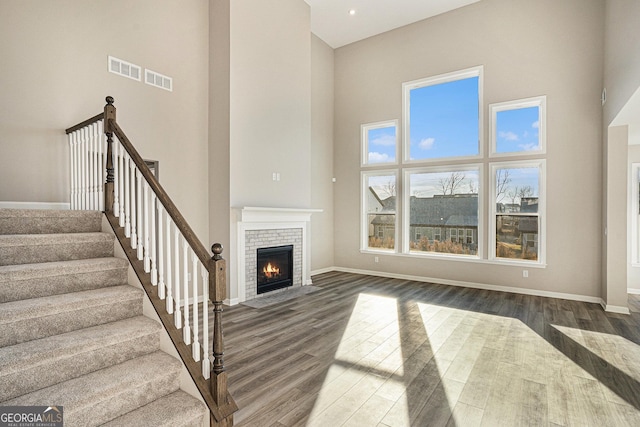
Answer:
[(509, 136), (375, 157), (384, 140), (536, 124), (532, 146), (427, 143)]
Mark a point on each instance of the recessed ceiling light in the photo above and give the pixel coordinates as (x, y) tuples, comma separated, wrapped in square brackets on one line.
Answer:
[(352, 12)]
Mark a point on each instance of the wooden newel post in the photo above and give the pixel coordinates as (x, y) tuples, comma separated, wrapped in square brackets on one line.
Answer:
[(217, 294), (109, 119)]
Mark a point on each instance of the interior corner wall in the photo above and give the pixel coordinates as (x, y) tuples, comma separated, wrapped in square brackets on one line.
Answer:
[(219, 149), (322, 62), (528, 48), (54, 75), (633, 270), (616, 217), (270, 103)]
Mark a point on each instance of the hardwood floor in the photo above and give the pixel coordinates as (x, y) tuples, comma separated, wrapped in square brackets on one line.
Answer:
[(370, 351)]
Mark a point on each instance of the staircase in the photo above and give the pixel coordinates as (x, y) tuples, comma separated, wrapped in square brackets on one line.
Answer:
[(72, 332)]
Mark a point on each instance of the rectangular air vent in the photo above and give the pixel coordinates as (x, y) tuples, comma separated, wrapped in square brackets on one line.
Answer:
[(124, 68), (158, 80)]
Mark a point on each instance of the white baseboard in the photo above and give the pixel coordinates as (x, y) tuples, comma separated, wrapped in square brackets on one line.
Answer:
[(231, 301), (614, 308), (524, 291), (323, 270), (633, 291), (35, 205)]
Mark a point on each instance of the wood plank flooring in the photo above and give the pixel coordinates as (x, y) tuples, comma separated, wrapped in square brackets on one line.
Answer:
[(370, 351)]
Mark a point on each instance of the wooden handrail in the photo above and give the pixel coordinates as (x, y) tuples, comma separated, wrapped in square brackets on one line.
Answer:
[(214, 392)]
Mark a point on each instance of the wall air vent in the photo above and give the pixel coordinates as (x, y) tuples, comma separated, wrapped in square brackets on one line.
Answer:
[(124, 68), (158, 80)]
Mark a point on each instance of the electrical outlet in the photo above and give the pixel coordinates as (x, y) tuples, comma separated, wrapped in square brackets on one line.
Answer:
[(525, 273), (376, 259)]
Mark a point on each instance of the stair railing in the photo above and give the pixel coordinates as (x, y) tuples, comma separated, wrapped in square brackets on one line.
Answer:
[(176, 270)]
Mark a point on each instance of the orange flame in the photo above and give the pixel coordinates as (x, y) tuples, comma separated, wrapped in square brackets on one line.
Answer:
[(271, 271)]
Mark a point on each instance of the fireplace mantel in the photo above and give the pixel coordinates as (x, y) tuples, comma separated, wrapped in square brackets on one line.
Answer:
[(250, 218)]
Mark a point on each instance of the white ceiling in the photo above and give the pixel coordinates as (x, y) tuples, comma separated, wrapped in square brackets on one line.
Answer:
[(331, 21)]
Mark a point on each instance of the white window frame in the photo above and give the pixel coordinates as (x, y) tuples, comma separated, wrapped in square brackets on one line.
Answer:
[(406, 209), (431, 81), (364, 138), (537, 101), (364, 224), (541, 214)]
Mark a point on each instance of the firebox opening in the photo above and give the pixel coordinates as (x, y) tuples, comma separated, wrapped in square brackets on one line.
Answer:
[(274, 268)]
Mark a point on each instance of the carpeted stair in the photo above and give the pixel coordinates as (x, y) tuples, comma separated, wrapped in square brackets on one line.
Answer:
[(72, 332)]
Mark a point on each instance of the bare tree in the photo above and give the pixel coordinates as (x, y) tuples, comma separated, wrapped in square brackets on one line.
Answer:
[(389, 188), (503, 179), (525, 191), (472, 187), (450, 184)]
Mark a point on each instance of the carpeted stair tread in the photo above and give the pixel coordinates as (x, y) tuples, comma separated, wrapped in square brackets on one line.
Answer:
[(44, 221), (38, 248), (177, 409), (50, 278), (35, 318), (103, 395), (39, 363)]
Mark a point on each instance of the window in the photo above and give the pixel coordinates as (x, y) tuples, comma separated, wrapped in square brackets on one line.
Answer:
[(518, 127), (442, 198), (379, 142), (379, 208), (518, 210), (442, 116)]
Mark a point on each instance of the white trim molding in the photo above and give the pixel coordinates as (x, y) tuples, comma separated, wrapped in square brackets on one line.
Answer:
[(613, 308)]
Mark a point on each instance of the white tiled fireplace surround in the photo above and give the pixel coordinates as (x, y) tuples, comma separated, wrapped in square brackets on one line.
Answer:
[(256, 227)]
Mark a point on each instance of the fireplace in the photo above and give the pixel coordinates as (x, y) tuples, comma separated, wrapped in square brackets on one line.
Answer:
[(274, 268)]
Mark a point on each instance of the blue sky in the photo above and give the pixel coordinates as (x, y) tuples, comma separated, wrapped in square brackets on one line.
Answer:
[(517, 130), (382, 144), (444, 120)]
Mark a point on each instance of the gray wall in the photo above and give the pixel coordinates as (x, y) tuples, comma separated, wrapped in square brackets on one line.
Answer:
[(270, 103), (322, 63), (528, 48), (54, 75)]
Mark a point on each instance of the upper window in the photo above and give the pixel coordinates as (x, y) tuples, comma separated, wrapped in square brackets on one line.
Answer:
[(518, 127), (442, 116), (379, 143)]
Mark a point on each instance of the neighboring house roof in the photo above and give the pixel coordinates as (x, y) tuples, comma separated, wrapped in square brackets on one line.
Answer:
[(459, 210)]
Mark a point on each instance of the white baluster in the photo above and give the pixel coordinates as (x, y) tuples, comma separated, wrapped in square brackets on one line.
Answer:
[(122, 167), (161, 290), (83, 169), (169, 283), (72, 174), (139, 212), (177, 315), (102, 168), (90, 168), (94, 166), (145, 202), (206, 361), (127, 196), (195, 347), (186, 332), (132, 204), (154, 230), (117, 179)]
